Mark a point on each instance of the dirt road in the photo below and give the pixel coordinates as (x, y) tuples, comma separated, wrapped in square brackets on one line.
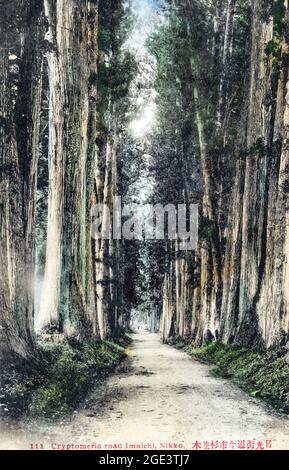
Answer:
[(158, 396)]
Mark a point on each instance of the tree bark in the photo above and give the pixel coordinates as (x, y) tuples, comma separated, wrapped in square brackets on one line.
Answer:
[(21, 76)]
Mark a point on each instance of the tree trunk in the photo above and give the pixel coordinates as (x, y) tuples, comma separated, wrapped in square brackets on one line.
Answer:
[(68, 297), (21, 69)]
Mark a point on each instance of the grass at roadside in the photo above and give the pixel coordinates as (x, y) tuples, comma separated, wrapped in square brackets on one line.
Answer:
[(262, 373), (66, 372)]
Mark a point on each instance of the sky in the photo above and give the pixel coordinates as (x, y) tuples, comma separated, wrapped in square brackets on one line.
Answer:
[(147, 19)]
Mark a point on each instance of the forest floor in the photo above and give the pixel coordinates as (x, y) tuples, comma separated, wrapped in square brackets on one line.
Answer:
[(158, 395)]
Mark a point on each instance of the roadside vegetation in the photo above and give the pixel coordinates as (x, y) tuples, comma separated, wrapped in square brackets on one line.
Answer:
[(60, 376), (262, 373)]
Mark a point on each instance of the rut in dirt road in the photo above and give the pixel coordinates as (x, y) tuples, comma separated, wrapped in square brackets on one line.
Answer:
[(158, 398)]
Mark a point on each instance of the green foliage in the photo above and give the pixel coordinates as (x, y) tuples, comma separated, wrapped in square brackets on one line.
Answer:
[(278, 17), (178, 342), (261, 373), (64, 376), (175, 136), (257, 149), (117, 66), (273, 47)]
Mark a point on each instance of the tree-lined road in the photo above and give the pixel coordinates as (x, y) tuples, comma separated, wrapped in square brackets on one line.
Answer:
[(160, 396)]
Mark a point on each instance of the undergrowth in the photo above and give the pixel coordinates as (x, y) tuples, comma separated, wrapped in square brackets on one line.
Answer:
[(56, 383), (263, 373)]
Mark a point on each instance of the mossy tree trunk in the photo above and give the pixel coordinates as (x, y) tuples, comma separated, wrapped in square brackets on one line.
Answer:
[(68, 296)]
